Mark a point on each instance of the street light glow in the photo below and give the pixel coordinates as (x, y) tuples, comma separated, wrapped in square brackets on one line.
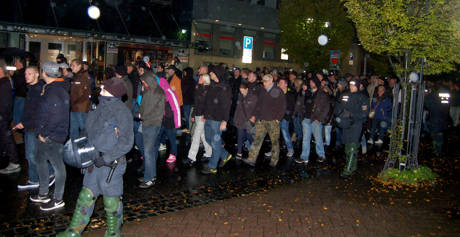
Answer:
[(94, 12), (184, 31), (327, 24)]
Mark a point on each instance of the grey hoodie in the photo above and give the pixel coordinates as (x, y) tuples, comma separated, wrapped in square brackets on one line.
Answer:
[(153, 101)]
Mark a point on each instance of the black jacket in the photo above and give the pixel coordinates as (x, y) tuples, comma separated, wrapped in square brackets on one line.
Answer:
[(6, 104), (271, 105), (299, 103), (308, 104), (200, 98), (19, 83), (188, 89), (321, 109), (255, 88), (244, 109), (110, 128), (30, 119), (54, 112), (290, 104), (218, 101), (135, 81)]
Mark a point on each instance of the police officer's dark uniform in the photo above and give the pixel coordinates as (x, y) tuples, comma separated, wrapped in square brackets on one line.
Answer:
[(351, 112), (110, 130)]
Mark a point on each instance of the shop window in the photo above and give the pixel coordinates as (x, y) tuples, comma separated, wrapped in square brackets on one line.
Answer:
[(34, 48), (54, 49), (203, 37)]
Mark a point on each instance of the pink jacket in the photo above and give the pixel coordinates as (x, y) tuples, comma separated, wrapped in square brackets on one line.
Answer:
[(171, 98)]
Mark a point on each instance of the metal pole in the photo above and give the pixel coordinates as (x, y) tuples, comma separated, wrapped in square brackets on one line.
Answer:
[(404, 98), (122, 21)]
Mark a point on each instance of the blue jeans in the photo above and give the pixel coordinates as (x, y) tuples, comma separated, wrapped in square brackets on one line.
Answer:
[(214, 138), (309, 128), (298, 127), (284, 125), (338, 136), (327, 135), (171, 134), (18, 109), (77, 124), (150, 135), (187, 109), (30, 139), (244, 138), (137, 135)]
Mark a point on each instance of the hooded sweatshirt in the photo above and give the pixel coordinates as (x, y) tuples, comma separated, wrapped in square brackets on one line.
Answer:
[(172, 100), (153, 101)]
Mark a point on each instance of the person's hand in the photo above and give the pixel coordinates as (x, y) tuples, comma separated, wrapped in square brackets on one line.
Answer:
[(223, 126), (203, 119), (252, 119), (18, 126), (192, 119), (42, 139), (99, 162)]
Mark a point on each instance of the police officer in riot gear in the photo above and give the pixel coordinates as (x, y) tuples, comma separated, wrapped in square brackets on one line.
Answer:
[(110, 130), (351, 112)]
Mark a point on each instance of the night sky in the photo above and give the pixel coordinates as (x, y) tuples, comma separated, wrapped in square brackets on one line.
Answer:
[(72, 14)]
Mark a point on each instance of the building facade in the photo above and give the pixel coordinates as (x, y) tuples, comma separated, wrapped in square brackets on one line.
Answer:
[(219, 27)]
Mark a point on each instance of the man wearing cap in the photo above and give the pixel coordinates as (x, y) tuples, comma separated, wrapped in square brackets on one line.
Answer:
[(110, 130), (216, 114), (351, 112), (270, 110), (174, 82), (52, 130)]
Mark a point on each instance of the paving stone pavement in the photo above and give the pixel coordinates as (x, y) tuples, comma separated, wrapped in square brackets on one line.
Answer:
[(325, 206)]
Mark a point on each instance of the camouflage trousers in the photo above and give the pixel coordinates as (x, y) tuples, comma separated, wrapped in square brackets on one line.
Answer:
[(273, 130)]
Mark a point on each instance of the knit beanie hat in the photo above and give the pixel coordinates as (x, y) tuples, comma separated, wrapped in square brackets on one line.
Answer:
[(115, 86)]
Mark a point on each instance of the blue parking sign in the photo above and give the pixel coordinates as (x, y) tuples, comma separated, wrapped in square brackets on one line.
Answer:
[(248, 42)]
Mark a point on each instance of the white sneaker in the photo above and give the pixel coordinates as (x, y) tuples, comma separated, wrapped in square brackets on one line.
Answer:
[(162, 147), (379, 141), (363, 150), (11, 168), (290, 153), (28, 185), (267, 154), (370, 141)]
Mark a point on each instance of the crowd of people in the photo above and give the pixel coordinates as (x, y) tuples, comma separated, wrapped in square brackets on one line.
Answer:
[(141, 106)]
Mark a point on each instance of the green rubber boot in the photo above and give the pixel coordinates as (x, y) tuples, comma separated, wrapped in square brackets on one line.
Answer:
[(351, 162), (114, 211), (82, 214)]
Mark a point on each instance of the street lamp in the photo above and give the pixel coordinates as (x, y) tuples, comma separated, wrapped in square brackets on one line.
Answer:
[(322, 40), (94, 12), (184, 31)]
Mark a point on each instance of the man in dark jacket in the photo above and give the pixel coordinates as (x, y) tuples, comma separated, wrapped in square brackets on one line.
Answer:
[(317, 109), (110, 130), (254, 86), (290, 96), (7, 145), (80, 94), (270, 110), (30, 124), (246, 104), (351, 112), (53, 126), (216, 114)]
